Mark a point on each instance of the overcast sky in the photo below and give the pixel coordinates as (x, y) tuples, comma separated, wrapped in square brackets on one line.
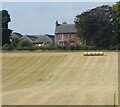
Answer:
[(39, 18)]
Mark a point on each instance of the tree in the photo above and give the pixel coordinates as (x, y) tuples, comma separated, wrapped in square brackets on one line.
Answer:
[(5, 31), (116, 7), (15, 42), (116, 16), (7, 47), (96, 26), (0, 31), (24, 45)]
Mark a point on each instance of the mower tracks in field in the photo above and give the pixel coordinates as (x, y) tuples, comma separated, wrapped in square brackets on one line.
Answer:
[(59, 79)]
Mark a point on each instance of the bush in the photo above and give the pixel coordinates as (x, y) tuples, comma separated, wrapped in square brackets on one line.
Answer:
[(82, 47), (71, 47), (7, 47), (113, 47), (15, 42), (24, 45), (119, 46)]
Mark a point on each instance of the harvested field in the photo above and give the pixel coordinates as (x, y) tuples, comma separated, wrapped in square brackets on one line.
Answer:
[(67, 78)]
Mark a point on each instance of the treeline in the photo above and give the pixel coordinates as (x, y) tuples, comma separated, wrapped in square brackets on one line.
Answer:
[(6, 32), (52, 47), (99, 28)]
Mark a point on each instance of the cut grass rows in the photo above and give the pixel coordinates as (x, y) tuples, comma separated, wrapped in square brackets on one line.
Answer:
[(26, 70), (68, 78)]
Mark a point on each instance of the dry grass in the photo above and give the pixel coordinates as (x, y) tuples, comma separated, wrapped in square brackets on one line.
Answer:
[(59, 78)]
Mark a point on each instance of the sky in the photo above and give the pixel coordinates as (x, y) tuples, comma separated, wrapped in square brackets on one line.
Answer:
[(34, 18)]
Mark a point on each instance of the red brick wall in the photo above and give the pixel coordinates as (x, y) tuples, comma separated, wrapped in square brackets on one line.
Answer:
[(68, 38)]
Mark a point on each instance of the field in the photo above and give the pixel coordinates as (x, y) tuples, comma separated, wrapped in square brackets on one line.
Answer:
[(59, 78)]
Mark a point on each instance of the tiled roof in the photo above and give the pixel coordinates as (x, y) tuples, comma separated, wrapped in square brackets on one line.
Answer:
[(43, 39), (15, 34), (65, 28), (32, 37), (52, 37), (29, 38)]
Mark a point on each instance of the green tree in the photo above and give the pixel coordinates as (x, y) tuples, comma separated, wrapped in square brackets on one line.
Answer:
[(116, 17), (96, 26), (7, 47), (24, 45), (15, 42), (116, 7), (0, 31), (5, 31)]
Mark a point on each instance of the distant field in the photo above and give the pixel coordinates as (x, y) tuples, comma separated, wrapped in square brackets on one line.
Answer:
[(67, 78)]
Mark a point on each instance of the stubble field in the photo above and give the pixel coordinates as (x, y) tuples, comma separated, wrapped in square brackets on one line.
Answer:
[(59, 78)]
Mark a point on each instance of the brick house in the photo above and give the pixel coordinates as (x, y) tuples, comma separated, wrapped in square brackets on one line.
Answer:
[(65, 34)]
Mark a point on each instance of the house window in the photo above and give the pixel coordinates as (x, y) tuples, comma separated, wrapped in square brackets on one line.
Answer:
[(70, 36), (62, 37)]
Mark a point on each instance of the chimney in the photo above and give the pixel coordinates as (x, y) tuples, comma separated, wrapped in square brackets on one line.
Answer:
[(56, 23), (64, 22)]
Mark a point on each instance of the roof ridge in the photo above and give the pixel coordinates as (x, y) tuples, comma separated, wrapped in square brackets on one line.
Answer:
[(68, 24)]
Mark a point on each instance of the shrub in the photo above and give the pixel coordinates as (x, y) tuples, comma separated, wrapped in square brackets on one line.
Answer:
[(24, 45), (15, 42), (7, 47), (116, 47)]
